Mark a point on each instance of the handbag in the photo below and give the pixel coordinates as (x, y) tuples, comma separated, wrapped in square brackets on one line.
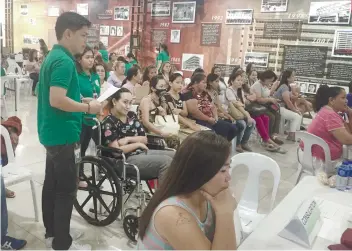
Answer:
[(272, 107), (167, 124), (256, 109), (235, 112)]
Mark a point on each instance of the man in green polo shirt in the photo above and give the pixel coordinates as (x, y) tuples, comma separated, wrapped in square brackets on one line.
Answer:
[(59, 127)]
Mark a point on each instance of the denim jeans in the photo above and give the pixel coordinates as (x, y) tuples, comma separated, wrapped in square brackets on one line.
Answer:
[(246, 132), (59, 193), (223, 128), (4, 216)]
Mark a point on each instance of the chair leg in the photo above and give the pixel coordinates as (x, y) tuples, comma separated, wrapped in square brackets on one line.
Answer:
[(300, 169), (34, 197)]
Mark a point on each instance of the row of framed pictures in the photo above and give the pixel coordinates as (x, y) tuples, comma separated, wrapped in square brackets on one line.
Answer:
[(115, 31)]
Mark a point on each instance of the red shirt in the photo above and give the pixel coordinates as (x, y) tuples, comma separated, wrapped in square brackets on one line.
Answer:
[(204, 101)]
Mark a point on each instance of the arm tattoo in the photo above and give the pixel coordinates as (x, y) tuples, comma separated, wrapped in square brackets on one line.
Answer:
[(182, 219)]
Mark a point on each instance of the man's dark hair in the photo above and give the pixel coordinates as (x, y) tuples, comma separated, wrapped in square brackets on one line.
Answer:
[(268, 74), (71, 21)]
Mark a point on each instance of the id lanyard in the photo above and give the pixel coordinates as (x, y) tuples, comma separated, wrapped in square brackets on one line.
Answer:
[(95, 94)]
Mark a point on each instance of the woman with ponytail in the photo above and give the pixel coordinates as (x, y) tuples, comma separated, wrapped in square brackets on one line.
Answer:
[(328, 123), (134, 77)]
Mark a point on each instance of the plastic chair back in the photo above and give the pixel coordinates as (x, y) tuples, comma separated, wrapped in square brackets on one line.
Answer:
[(8, 144), (309, 140), (256, 164)]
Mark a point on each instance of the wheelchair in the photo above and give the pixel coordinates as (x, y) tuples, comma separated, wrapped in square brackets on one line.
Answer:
[(110, 179)]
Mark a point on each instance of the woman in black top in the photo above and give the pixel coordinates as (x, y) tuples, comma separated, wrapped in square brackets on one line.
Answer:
[(122, 129)]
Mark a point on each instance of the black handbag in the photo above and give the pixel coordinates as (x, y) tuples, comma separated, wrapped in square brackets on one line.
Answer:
[(256, 109)]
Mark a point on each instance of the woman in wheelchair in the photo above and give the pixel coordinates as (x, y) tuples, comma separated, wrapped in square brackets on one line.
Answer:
[(121, 129), (193, 208)]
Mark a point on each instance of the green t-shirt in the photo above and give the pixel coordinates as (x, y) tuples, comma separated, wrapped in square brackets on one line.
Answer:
[(57, 127), (3, 73), (89, 85), (163, 57), (104, 55), (129, 65)]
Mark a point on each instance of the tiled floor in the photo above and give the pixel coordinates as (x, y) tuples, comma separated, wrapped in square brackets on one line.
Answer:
[(31, 154)]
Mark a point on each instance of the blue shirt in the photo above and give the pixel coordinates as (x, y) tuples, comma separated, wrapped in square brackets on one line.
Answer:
[(349, 100)]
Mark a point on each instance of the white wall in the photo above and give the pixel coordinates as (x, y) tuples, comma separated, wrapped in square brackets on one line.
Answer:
[(2, 18)]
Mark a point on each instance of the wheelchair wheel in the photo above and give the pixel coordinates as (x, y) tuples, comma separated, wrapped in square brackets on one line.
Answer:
[(99, 203), (130, 226)]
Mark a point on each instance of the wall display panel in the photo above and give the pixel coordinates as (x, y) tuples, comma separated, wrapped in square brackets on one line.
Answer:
[(104, 30), (274, 6), (339, 71), (161, 9), (159, 36), (107, 15), (175, 36), (190, 62), (226, 69), (82, 9), (342, 44), (184, 12), (332, 12), (93, 35), (239, 16), (259, 59), (288, 29), (122, 13), (210, 34), (307, 61)]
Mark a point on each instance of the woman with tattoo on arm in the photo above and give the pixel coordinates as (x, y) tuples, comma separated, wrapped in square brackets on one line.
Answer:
[(193, 208)]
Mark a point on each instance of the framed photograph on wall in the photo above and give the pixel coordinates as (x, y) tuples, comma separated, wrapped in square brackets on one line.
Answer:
[(104, 30), (105, 41), (274, 6), (119, 31), (333, 12), (113, 31), (82, 9), (312, 88), (184, 12), (122, 13), (24, 10), (175, 36), (239, 16), (190, 62), (259, 59), (342, 46), (161, 8)]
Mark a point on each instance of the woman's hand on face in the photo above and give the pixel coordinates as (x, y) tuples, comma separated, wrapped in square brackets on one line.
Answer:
[(223, 202)]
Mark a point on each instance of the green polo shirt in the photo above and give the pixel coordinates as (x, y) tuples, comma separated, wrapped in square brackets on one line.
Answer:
[(3, 73), (163, 57), (88, 86), (57, 127), (129, 65), (104, 55)]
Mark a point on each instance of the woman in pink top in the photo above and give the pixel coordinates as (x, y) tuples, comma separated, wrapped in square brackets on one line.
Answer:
[(328, 124), (132, 80)]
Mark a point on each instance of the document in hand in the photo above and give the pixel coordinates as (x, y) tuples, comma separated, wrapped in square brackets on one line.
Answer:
[(110, 91)]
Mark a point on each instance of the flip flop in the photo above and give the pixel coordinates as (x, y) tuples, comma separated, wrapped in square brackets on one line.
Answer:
[(10, 194), (281, 150), (271, 148)]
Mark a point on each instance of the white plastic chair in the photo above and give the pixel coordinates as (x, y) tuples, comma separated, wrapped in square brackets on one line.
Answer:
[(13, 175), (306, 163), (248, 205)]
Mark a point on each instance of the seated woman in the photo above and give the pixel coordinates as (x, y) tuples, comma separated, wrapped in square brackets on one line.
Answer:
[(149, 72), (264, 89), (165, 71), (118, 75), (248, 123), (179, 107), (101, 71), (222, 85), (121, 129), (152, 105), (287, 110), (200, 108), (252, 77), (328, 124), (303, 105), (193, 208), (132, 80)]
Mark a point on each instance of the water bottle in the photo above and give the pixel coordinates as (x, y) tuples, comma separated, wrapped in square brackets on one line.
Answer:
[(349, 183), (342, 176)]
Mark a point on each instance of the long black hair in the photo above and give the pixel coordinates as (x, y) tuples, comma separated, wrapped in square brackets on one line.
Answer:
[(189, 170), (147, 71), (211, 78), (164, 47), (324, 93), (232, 78), (132, 72), (195, 79), (198, 70), (213, 71), (79, 57), (284, 79)]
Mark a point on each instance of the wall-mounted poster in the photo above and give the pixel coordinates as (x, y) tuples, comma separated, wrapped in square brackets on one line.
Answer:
[(112, 30), (119, 31), (122, 13), (107, 15), (274, 6), (175, 37), (303, 86), (312, 88), (333, 12), (190, 62), (127, 49), (104, 30), (24, 9), (259, 59), (93, 35), (210, 34), (161, 8), (342, 44), (239, 16), (82, 9), (289, 29), (339, 71), (105, 41), (159, 36), (53, 11), (226, 69), (184, 12)]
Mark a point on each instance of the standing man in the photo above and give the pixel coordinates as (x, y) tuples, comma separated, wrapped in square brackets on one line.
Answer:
[(59, 127)]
